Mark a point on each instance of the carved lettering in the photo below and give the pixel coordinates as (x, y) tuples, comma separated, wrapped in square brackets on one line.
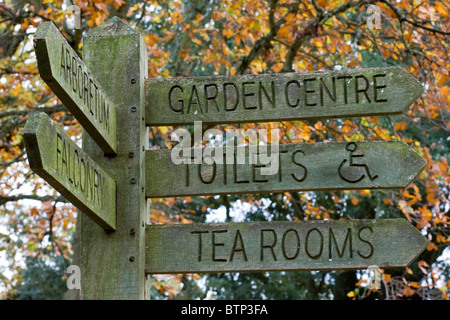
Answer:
[(270, 245), (85, 88), (195, 97), (212, 97), (376, 87), (78, 172), (272, 99), (303, 177), (200, 244), (227, 99), (332, 241), (194, 100), (370, 253), (238, 246), (307, 242), (289, 94), (332, 96), (359, 90), (344, 84), (307, 90), (217, 244), (278, 245), (295, 244), (246, 94)]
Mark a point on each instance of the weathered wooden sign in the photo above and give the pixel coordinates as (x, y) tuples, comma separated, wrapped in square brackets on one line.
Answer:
[(278, 97), (275, 245), (69, 78), (67, 168), (113, 262), (299, 167)]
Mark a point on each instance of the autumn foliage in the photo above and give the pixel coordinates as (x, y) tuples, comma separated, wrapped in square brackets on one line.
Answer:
[(200, 37)]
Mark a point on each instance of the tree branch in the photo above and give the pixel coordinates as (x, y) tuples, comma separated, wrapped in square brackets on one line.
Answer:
[(402, 18), (48, 110), (312, 28), (264, 41), (5, 199)]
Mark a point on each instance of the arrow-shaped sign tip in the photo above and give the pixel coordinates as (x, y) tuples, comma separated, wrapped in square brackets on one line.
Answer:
[(416, 243)]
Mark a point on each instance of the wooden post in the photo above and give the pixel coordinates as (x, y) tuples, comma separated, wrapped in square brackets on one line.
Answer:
[(112, 263)]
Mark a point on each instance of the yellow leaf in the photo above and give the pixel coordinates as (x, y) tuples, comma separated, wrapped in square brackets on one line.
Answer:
[(197, 41)]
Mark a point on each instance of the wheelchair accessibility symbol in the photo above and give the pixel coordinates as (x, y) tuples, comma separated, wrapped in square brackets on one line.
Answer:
[(349, 172)]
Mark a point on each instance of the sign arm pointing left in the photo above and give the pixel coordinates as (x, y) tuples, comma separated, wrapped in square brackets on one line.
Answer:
[(73, 83), (68, 169)]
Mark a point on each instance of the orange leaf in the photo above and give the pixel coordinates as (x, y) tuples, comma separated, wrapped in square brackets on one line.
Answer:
[(408, 292), (119, 3), (228, 33), (441, 238), (400, 126), (34, 212), (283, 32)]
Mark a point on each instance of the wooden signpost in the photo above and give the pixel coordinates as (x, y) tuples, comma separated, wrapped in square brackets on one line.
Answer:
[(278, 97), (277, 246), (112, 176)]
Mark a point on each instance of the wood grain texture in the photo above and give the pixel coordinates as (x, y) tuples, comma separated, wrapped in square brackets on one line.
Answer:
[(74, 84), (279, 97), (302, 167), (112, 264), (282, 246), (68, 169)]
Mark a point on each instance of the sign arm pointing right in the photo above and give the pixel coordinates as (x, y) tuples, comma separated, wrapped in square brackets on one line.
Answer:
[(280, 97)]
